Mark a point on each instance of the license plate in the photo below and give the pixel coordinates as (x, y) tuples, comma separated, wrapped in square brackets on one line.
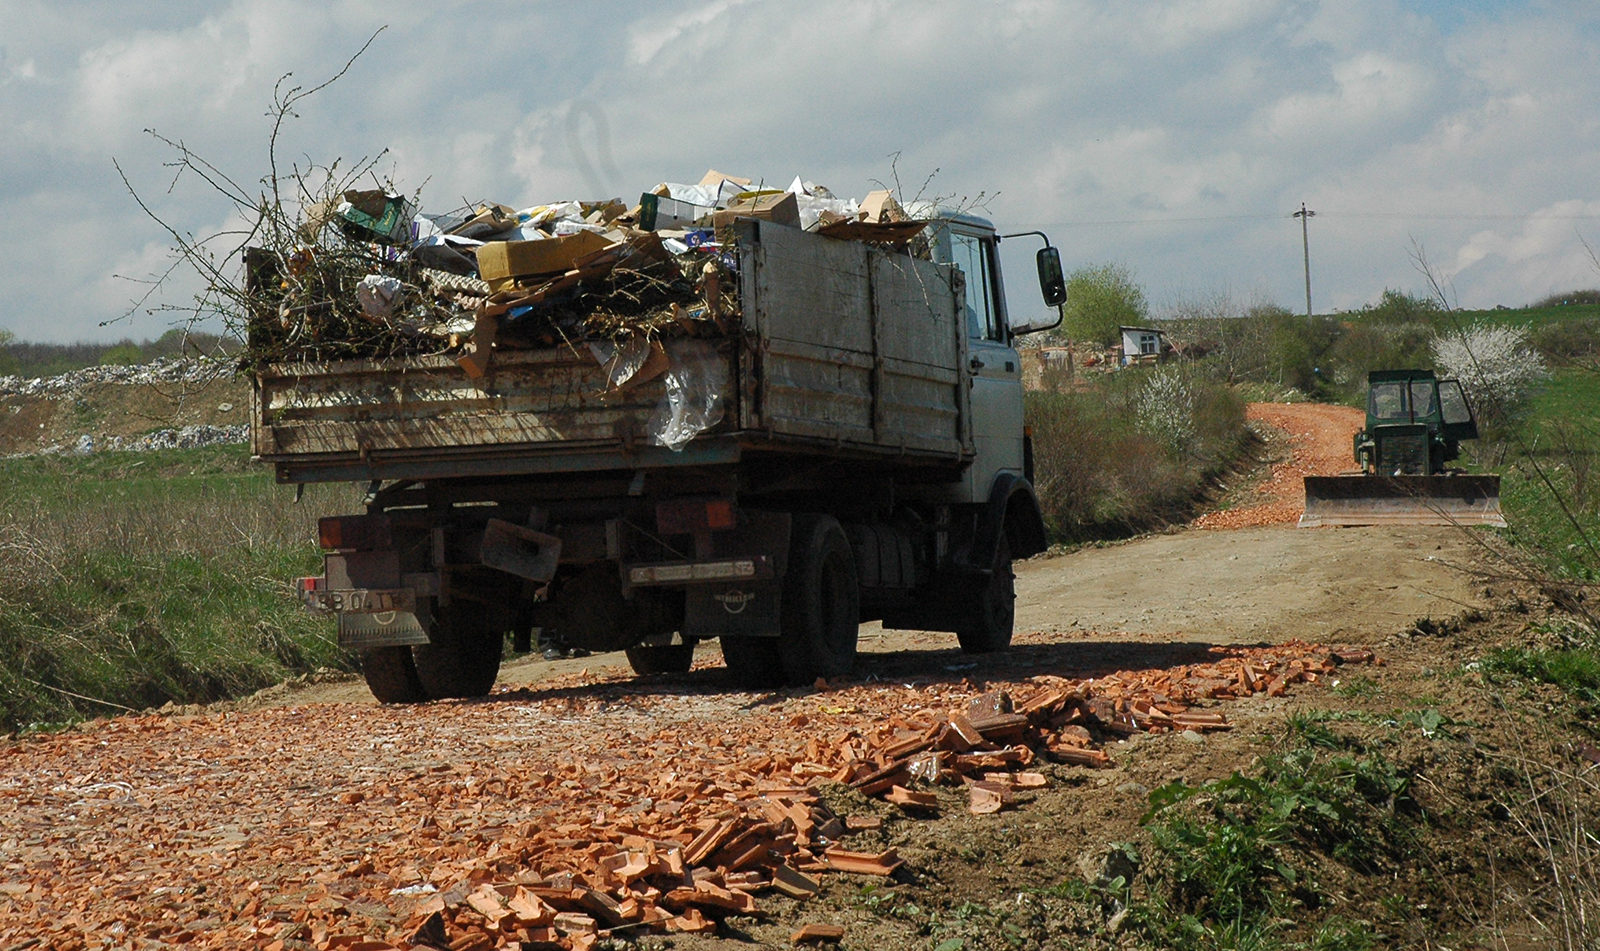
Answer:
[(362, 600)]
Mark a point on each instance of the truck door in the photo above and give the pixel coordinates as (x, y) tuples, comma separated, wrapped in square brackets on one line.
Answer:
[(994, 370)]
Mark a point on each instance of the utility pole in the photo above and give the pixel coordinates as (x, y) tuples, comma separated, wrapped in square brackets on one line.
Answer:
[(1305, 241)]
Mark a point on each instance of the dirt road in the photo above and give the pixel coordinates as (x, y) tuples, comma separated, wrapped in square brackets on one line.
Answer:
[(316, 818)]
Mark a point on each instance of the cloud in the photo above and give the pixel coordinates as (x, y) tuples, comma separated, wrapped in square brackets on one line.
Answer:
[(1072, 111)]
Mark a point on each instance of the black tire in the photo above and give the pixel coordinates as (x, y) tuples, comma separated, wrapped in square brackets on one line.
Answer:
[(462, 658), (754, 662), (821, 609), (391, 675), (989, 611), (661, 658)]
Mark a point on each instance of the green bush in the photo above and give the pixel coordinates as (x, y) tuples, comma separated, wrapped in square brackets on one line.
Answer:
[(1568, 298), (125, 353), (1563, 341), (1131, 451)]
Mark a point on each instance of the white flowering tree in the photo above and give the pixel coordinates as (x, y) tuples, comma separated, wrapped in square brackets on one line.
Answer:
[(1165, 405), (1497, 365)]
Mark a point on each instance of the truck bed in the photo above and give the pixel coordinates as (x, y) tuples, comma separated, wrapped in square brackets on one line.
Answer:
[(845, 348)]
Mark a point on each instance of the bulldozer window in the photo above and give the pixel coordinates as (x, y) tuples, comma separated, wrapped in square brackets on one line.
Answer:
[(1454, 403), (1422, 398), (1388, 401)]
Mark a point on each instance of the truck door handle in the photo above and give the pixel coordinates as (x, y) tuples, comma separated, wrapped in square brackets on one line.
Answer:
[(975, 363)]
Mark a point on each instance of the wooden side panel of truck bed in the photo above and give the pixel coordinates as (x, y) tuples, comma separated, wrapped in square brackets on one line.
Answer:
[(858, 344), (829, 358)]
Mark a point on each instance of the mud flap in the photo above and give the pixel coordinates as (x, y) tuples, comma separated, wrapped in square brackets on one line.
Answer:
[(1402, 500), (359, 632), (742, 609)]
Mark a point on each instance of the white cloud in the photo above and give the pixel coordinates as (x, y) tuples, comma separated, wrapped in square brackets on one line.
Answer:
[(1077, 110)]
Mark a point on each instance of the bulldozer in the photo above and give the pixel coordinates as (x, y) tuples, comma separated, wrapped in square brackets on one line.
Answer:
[(1415, 425)]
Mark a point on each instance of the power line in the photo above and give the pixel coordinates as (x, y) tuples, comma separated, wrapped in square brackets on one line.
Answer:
[(1396, 216)]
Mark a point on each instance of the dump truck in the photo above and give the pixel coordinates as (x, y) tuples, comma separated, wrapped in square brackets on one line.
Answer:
[(1415, 426), (852, 450)]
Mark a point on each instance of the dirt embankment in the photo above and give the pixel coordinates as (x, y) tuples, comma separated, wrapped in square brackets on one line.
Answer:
[(312, 817)]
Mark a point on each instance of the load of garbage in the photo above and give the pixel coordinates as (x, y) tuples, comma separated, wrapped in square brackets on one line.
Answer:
[(367, 275)]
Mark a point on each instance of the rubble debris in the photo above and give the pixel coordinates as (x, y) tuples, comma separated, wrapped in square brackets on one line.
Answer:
[(166, 371), (815, 933), (544, 826)]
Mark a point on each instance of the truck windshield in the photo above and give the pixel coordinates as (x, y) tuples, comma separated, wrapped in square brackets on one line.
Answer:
[(1422, 397), (1387, 401)]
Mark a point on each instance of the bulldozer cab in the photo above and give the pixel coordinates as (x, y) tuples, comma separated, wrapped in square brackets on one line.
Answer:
[(1415, 423), (1417, 396)]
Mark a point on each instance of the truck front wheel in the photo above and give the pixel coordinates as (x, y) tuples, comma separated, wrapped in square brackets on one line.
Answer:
[(391, 675), (462, 656), (990, 609)]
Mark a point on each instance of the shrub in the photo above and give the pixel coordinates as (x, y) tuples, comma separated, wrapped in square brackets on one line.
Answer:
[(1398, 307), (1568, 298), (1132, 451), (122, 354), (1560, 341)]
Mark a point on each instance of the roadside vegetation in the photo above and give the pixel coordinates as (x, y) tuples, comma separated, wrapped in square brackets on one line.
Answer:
[(138, 579), (1131, 451)]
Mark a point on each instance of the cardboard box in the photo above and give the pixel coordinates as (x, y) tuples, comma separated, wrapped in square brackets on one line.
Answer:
[(503, 259), (782, 209)]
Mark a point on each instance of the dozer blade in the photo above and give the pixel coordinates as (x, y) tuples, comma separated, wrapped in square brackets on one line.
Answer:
[(1402, 500)]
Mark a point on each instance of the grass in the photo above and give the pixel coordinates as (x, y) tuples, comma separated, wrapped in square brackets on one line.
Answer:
[(139, 579)]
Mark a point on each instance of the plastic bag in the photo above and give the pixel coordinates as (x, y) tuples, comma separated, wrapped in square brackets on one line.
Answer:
[(694, 380), (378, 295), (620, 362)]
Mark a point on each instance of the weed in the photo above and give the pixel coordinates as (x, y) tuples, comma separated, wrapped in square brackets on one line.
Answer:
[(1574, 670), (1357, 688), (1225, 870)]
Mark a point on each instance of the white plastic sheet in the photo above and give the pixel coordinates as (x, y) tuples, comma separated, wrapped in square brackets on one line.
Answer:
[(693, 402)]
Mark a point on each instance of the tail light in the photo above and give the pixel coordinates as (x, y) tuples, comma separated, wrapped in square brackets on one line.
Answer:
[(691, 516), (354, 533)]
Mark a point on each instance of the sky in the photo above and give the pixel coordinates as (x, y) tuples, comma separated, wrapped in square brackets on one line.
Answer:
[(1173, 136)]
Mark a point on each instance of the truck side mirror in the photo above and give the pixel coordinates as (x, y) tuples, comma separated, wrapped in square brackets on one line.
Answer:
[(1052, 282)]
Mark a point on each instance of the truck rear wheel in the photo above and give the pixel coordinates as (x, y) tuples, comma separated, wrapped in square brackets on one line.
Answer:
[(391, 675), (754, 662), (462, 658), (821, 610), (661, 658), (989, 611)]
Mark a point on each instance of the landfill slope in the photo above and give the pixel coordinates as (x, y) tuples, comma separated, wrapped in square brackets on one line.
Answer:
[(167, 404)]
